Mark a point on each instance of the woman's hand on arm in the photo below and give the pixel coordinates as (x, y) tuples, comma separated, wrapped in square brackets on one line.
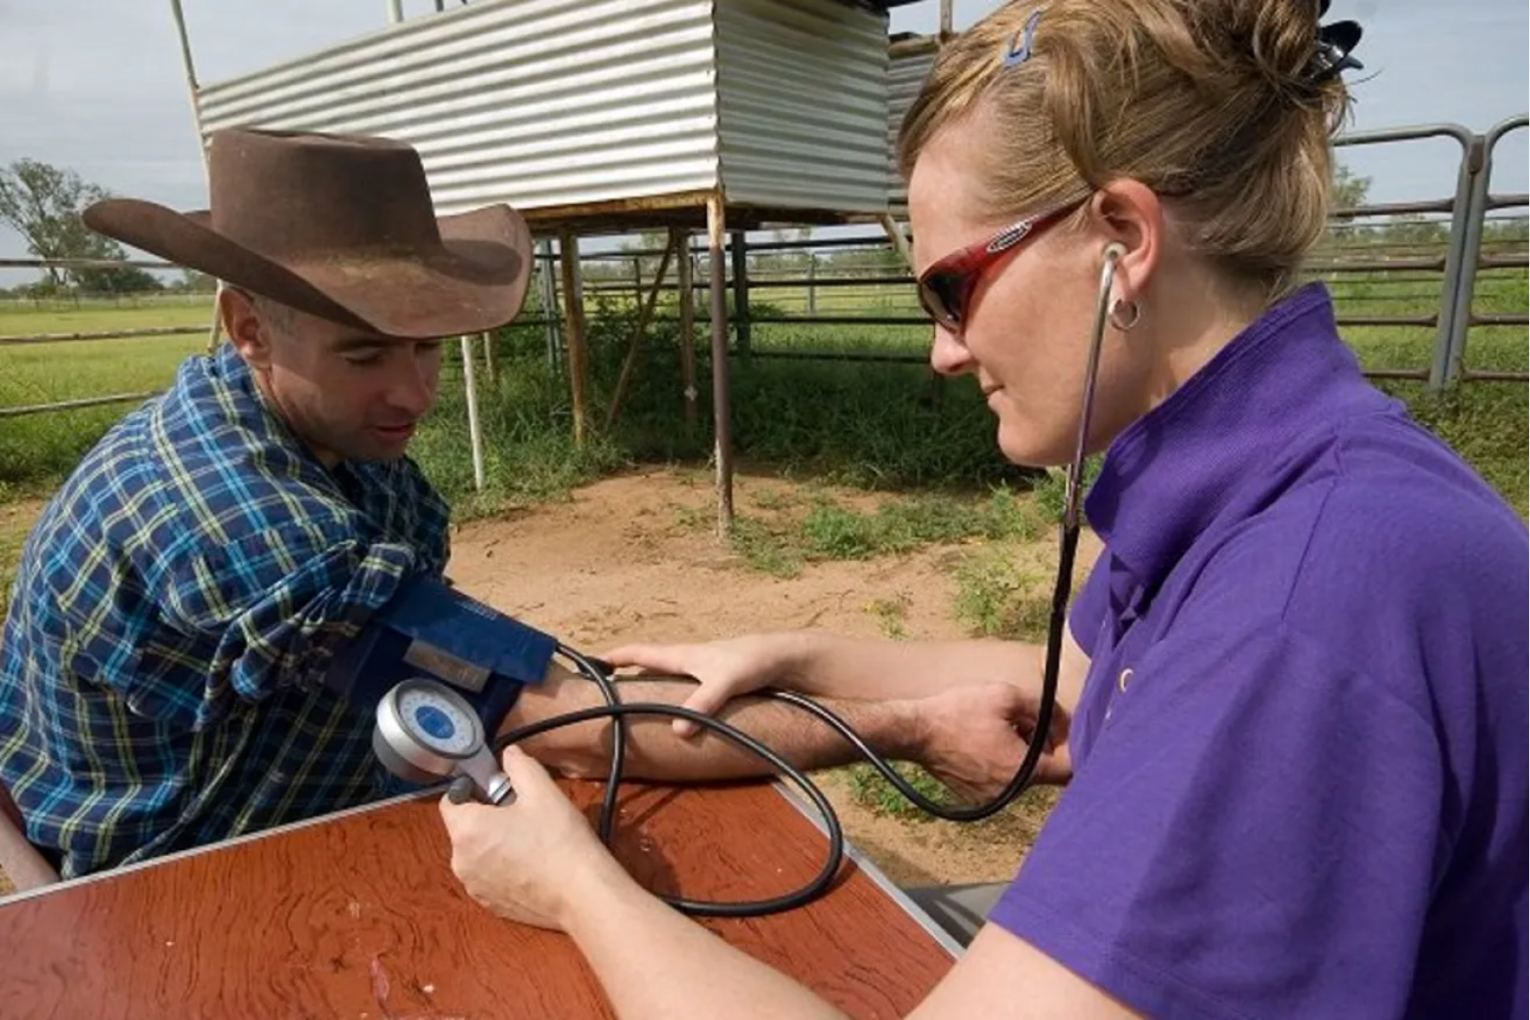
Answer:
[(833, 666)]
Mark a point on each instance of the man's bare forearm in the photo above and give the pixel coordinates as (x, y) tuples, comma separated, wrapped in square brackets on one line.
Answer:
[(654, 752)]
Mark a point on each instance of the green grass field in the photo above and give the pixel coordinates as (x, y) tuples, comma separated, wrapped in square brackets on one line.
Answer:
[(88, 315), (36, 450), (867, 424)]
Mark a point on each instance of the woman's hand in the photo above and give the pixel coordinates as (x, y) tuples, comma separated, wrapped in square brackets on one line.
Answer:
[(724, 669), (973, 739), (526, 861)]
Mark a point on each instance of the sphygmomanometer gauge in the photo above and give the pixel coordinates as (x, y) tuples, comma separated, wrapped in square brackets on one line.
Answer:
[(438, 722), (427, 732)]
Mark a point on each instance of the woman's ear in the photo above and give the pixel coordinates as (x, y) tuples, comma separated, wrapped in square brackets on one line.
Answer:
[(1128, 212)]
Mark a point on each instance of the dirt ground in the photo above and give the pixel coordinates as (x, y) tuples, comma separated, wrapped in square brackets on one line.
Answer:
[(635, 558)]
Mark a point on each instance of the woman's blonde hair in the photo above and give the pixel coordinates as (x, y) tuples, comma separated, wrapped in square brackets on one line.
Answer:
[(1214, 104)]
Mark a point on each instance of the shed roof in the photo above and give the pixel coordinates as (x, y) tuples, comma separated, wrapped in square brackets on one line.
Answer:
[(610, 115)]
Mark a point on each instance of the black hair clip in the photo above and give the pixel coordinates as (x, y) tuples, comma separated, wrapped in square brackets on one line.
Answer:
[(1335, 44)]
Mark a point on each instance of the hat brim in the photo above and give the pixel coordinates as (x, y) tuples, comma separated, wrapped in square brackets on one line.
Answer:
[(474, 281)]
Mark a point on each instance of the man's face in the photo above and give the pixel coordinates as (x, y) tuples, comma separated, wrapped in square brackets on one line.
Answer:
[(347, 394)]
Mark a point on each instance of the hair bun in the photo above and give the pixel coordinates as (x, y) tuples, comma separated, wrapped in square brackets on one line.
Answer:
[(1290, 49)]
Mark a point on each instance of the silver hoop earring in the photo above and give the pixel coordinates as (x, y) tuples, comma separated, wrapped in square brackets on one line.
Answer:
[(1115, 314)]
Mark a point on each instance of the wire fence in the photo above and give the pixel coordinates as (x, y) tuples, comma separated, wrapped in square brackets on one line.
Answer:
[(1412, 282)]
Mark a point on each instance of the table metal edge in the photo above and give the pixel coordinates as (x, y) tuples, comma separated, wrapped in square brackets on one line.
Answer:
[(873, 872), (215, 847)]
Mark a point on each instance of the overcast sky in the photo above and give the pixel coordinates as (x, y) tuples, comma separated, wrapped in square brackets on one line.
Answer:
[(97, 85)]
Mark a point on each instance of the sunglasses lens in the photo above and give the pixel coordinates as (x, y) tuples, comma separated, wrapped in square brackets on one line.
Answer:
[(941, 295)]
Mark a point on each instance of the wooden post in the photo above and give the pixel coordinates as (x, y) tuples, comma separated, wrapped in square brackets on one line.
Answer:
[(645, 313), (721, 409), (738, 248), (899, 239), (946, 18), (573, 315), (685, 278), (936, 381)]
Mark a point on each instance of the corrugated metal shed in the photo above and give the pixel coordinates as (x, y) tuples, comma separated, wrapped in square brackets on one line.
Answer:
[(909, 62), (540, 104), (575, 109), (803, 104)]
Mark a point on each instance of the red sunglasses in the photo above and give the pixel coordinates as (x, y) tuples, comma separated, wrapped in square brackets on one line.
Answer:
[(946, 288)]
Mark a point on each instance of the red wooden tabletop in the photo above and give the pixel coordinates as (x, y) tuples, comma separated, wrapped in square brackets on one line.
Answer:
[(359, 916)]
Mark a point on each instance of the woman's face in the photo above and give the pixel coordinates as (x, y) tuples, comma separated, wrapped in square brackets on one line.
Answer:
[(1028, 321)]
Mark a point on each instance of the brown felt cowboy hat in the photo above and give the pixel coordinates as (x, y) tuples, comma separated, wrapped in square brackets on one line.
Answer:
[(341, 227)]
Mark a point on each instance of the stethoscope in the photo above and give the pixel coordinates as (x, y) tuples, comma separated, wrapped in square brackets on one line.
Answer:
[(425, 732)]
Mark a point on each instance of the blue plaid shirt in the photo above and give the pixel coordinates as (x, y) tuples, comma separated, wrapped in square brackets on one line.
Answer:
[(175, 611)]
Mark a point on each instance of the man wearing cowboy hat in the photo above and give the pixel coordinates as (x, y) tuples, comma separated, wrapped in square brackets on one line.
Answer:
[(183, 597)]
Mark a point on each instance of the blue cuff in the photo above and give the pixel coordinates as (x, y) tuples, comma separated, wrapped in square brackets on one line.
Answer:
[(427, 629)]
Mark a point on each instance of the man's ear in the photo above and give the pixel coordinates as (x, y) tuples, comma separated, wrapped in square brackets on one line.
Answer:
[(242, 324)]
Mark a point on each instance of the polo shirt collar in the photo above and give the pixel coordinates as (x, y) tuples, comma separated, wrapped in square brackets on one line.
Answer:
[(1170, 474)]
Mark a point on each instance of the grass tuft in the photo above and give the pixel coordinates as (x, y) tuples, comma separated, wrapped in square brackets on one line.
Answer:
[(784, 542), (890, 615), (765, 548), (996, 598), (871, 790)]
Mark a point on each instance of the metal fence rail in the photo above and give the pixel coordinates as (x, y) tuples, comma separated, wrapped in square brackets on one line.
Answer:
[(80, 336), (70, 405), (856, 281), (1389, 283), (1472, 260), (110, 334)]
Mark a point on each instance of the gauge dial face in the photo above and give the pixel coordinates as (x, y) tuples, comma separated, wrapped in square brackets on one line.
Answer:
[(437, 723)]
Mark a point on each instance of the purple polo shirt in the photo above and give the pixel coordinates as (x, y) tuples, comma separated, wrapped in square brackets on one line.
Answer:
[(1300, 754)]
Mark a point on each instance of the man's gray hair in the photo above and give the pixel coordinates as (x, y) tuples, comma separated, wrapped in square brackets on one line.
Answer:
[(278, 317)]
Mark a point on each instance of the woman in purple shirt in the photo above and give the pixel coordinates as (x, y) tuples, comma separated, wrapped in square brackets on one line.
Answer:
[(1294, 688)]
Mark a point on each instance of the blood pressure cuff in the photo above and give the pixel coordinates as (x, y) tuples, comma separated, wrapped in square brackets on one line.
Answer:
[(428, 629)]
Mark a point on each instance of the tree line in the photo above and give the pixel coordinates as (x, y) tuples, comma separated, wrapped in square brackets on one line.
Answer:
[(43, 203)]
